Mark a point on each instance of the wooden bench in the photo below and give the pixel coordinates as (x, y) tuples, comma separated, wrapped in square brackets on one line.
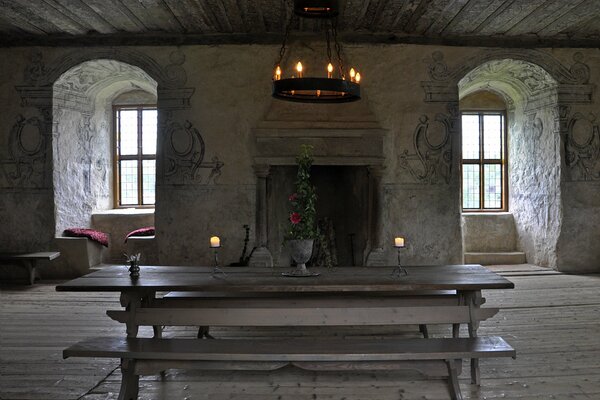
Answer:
[(432, 357), (192, 299), (29, 260)]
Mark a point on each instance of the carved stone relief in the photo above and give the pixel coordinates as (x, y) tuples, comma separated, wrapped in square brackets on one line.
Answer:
[(582, 147), (431, 162), (28, 145), (183, 155), (573, 80), (24, 167)]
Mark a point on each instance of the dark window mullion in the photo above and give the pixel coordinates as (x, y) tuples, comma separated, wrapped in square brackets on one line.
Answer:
[(481, 168), (139, 155)]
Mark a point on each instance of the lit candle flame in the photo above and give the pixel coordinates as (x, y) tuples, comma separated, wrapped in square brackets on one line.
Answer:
[(357, 77), (299, 69), (329, 70), (318, 93), (277, 73), (352, 74)]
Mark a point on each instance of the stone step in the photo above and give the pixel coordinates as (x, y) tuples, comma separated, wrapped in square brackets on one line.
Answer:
[(500, 258)]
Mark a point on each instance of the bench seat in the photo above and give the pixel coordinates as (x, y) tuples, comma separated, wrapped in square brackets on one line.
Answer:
[(433, 357)]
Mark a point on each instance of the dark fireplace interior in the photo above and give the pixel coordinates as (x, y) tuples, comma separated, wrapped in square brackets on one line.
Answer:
[(342, 198)]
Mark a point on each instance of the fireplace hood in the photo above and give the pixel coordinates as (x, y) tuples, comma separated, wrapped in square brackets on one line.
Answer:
[(341, 134)]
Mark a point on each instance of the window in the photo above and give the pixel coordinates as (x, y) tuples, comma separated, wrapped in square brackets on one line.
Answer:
[(484, 161), (135, 172)]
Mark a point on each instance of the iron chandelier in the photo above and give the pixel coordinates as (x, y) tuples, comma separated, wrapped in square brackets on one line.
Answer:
[(336, 87)]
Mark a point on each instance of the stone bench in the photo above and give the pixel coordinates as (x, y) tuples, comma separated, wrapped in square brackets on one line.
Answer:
[(432, 357), (79, 255), (29, 260), (146, 246)]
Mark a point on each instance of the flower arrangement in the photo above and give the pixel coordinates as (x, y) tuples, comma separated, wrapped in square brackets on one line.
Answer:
[(303, 213)]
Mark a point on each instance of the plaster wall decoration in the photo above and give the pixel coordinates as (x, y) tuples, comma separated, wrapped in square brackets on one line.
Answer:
[(582, 147), (573, 81), (28, 145), (431, 162), (183, 155), (39, 76)]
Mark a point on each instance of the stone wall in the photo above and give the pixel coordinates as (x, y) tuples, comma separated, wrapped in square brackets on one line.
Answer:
[(211, 97)]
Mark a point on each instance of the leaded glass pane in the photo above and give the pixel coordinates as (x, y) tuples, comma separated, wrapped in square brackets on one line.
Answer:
[(492, 184), (470, 186), (148, 181), (149, 131), (470, 136), (129, 182), (128, 132), (492, 137)]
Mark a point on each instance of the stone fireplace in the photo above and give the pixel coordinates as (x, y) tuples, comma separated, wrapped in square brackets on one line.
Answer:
[(347, 145)]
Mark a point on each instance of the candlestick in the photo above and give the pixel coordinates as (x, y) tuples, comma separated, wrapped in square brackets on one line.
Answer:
[(357, 77), (215, 243), (329, 70), (299, 69), (399, 271), (352, 74)]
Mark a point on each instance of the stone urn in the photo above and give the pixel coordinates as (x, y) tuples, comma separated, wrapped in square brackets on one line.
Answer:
[(300, 251)]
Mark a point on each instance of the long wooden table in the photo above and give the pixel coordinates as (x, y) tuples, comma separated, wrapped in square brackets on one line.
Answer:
[(447, 294)]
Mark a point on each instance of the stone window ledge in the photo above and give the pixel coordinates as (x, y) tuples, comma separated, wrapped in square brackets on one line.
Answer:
[(124, 212), (487, 214)]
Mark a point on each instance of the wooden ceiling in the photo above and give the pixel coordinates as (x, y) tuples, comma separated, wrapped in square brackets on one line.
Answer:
[(513, 23)]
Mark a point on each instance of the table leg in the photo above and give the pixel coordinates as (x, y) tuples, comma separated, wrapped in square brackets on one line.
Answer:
[(131, 301), (474, 300)]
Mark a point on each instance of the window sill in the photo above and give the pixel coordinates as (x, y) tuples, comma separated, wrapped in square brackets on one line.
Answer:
[(485, 213), (124, 211)]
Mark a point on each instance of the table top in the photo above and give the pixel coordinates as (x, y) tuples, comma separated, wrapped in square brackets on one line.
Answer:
[(255, 280)]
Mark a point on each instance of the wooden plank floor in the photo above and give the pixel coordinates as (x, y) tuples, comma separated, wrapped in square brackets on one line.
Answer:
[(550, 318)]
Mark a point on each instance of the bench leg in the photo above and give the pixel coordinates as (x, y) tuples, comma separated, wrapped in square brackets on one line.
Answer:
[(455, 330), (423, 330), (453, 385), (158, 329), (129, 381), (203, 332), (30, 266)]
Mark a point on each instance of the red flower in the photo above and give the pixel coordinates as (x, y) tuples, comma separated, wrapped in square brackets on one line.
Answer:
[(293, 197), (295, 218)]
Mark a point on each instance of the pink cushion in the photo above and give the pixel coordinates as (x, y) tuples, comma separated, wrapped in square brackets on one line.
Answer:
[(146, 231), (91, 234)]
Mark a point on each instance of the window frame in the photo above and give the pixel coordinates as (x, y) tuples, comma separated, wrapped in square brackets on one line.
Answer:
[(482, 161), (139, 157)]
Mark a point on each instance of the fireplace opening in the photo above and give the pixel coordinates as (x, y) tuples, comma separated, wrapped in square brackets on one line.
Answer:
[(342, 209)]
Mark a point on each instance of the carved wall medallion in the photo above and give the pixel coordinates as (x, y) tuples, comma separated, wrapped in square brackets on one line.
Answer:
[(582, 147), (183, 155), (431, 162), (27, 150)]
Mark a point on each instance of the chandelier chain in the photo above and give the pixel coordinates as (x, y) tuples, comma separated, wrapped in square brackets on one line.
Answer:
[(338, 48), (288, 28)]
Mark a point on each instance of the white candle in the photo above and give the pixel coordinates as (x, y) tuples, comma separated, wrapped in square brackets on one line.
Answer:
[(215, 241), (399, 242)]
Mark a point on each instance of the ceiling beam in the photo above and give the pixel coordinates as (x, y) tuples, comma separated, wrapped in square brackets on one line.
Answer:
[(173, 39)]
